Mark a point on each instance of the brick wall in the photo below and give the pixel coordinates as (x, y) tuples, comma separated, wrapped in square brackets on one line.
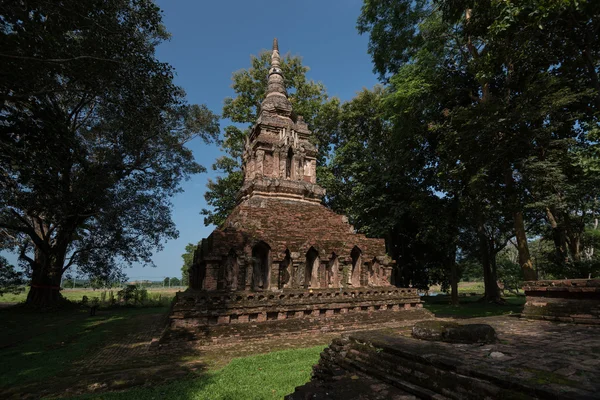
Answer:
[(569, 300)]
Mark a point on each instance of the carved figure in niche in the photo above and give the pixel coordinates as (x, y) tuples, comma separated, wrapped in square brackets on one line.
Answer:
[(200, 275), (372, 276), (311, 276), (354, 275), (260, 270), (285, 271), (289, 163), (231, 270), (307, 168), (333, 267)]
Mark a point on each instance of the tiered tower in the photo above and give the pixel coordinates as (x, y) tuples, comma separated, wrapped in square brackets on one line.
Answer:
[(281, 254), (280, 235), (279, 159)]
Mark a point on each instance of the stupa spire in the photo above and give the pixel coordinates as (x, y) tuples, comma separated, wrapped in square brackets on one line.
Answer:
[(276, 85)]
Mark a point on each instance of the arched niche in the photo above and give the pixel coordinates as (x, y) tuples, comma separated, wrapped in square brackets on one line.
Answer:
[(377, 275), (311, 274), (261, 266), (333, 271), (200, 275), (285, 271), (289, 163), (230, 271), (354, 275)]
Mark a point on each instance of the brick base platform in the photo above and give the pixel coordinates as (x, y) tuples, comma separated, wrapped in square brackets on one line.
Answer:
[(574, 300), (199, 314)]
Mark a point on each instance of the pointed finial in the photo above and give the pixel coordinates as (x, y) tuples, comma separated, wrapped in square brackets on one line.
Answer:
[(275, 60)]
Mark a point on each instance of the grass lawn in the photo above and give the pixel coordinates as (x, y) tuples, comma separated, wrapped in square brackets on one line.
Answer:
[(44, 354), (265, 376), (463, 287), (470, 307)]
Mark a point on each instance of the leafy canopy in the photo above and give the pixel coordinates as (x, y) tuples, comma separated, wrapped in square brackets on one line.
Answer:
[(93, 134)]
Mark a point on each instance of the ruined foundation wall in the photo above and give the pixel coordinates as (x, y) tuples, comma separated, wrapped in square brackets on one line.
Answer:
[(570, 300)]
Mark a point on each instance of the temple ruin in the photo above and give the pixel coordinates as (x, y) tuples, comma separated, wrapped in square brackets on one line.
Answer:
[(281, 254)]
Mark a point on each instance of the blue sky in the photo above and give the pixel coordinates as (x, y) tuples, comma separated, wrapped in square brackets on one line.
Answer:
[(212, 39)]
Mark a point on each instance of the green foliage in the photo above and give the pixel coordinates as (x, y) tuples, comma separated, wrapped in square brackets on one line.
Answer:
[(373, 178), (11, 280), (496, 105), (509, 272), (308, 98), (471, 270), (188, 259), (93, 137), (129, 293)]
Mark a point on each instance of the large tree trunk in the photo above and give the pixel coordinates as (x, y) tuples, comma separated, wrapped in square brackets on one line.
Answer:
[(525, 260), (490, 282), (559, 237), (45, 281), (454, 283), (575, 247), (523, 248)]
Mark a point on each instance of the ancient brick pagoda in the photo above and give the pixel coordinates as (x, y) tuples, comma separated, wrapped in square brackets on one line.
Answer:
[(281, 254)]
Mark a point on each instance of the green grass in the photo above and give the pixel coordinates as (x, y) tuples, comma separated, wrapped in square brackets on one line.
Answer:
[(77, 295), (470, 307), (45, 350), (41, 345), (266, 376), (463, 287)]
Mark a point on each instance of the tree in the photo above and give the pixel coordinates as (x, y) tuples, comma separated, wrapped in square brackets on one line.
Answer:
[(92, 138), (500, 97), (370, 179), (175, 282), (308, 99), (166, 281), (188, 259)]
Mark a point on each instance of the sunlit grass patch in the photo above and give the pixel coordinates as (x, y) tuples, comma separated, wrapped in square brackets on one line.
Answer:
[(265, 376)]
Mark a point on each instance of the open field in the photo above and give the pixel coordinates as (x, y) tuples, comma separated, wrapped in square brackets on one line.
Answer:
[(77, 294)]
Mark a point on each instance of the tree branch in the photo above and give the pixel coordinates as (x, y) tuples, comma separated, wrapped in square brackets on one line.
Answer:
[(58, 60)]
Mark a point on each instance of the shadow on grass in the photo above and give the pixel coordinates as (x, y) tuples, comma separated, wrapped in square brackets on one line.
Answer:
[(470, 307), (265, 376), (35, 346)]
